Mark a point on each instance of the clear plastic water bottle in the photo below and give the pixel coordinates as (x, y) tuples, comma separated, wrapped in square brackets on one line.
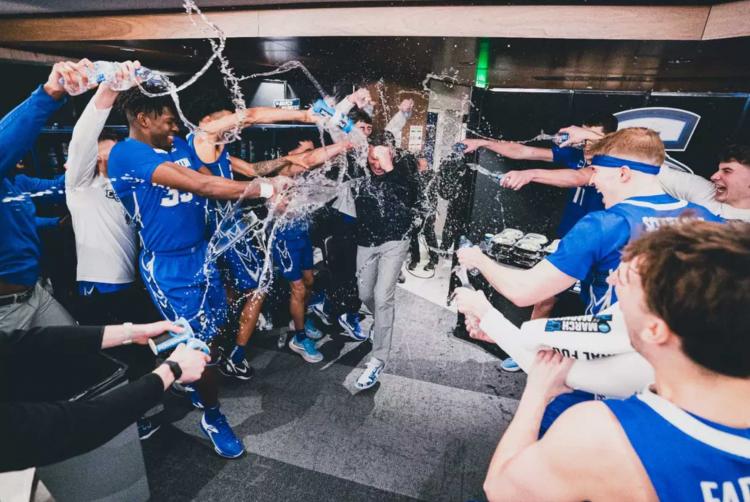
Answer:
[(560, 138), (464, 242), (105, 71)]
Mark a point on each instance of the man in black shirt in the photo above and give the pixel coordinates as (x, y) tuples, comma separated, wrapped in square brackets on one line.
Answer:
[(385, 204)]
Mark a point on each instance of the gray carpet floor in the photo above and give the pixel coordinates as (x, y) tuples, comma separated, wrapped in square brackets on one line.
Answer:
[(426, 431)]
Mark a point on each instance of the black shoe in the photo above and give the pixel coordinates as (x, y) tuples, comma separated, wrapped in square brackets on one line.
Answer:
[(429, 267), (412, 265), (401, 277), (146, 428), (241, 371)]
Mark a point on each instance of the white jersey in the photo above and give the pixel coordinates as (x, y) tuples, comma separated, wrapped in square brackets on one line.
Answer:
[(698, 190), (105, 237), (606, 362)]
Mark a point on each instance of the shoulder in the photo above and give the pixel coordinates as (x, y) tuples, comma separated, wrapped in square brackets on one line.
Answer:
[(593, 432), (596, 225)]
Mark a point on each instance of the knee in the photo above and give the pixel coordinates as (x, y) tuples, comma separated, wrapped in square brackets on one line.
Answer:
[(307, 281), (297, 289)]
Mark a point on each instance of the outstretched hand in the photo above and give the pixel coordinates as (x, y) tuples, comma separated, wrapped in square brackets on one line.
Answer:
[(547, 375)]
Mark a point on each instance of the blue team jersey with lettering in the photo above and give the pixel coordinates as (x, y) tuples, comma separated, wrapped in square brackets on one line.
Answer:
[(592, 248), (686, 457), (168, 220), (220, 167), (583, 200)]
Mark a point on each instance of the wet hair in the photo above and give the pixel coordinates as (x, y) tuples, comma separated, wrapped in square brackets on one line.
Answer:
[(357, 115), (737, 153), (108, 135), (206, 103), (133, 101), (632, 143), (606, 121), (384, 138), (696, 277)]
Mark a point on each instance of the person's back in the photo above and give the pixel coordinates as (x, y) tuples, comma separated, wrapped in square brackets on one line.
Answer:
[(683, 292), (686, 457)]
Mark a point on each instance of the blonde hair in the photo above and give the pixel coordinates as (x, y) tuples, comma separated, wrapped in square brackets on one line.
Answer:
[(632, 143)]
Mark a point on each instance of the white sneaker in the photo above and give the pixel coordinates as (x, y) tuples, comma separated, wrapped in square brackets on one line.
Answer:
[(369, 376)]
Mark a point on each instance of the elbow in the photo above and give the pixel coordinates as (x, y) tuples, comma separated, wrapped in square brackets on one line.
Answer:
[(521, 298)]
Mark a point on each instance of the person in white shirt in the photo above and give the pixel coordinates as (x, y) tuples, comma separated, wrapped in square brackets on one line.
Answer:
[(726, 195), (105, 237)]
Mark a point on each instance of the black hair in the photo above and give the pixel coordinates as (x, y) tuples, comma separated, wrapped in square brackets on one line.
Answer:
[(133, 101), (205, 104), (108, 135), (606, 121), (357, 115), (735, 152)]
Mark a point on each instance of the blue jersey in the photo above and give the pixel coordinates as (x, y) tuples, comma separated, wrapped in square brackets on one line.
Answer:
[(220, 167), (686, 457), (168, 220), (583, 200), (592, 248)]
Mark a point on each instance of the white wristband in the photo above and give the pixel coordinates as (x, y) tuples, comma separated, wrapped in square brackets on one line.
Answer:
[(266, 190), (128, 333)]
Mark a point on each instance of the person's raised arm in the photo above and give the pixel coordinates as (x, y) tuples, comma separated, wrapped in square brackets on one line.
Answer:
[(522, 287), (302, 162), (397, 123), (20, 127), (562, 178), (509, 149), (685, 186), (260, 115), (262, 168), (211, 187)]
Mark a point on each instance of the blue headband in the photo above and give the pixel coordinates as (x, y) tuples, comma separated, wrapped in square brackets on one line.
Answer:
[(608, 161)]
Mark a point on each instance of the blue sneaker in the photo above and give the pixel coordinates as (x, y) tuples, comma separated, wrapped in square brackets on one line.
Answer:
[(312, 331), (369, 377), (350, 323), (509, 365), (319, 309), (222, 436), (306, 348)]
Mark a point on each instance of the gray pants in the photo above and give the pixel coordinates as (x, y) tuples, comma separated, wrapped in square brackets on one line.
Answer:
[(377, 274), (38, 311)]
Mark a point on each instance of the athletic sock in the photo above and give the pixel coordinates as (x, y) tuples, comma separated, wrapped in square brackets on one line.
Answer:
[(212, 414), (238, 354)]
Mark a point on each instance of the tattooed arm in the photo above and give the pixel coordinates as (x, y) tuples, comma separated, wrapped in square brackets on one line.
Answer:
[(262, 168)]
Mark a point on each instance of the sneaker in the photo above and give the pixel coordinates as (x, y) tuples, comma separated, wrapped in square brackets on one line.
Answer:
[(240, 371), (509, 365), (281, 341), (264, 323), (306, 348), (312, 331), (430, 266), (146, 428), (412, 265), (401, 277), (350, 323), (222, 436), (369, 376), (195, 399), (320, 311)]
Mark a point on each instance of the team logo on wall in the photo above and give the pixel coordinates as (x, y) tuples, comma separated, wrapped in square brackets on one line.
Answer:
[(675, 127)]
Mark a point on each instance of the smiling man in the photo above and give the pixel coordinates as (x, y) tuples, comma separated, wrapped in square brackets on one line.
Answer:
[(726, 195)]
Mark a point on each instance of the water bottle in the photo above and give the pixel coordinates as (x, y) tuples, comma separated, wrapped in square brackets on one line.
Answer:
[(459, 148), (335, 118), (464, 242), (105, 71), (560, 138)]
